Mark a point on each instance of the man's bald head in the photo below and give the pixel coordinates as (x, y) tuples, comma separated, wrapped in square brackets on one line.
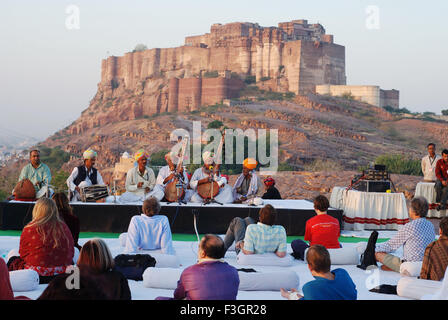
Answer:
[(212, 246)]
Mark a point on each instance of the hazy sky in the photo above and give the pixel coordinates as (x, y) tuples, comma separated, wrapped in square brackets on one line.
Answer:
[(49, 73)]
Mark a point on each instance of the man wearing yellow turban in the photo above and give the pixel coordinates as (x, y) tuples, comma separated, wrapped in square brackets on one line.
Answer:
[(248, 184), (140, 181), (85, 175)]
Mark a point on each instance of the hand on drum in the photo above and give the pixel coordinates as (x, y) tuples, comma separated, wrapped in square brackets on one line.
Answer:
[(140, 184)]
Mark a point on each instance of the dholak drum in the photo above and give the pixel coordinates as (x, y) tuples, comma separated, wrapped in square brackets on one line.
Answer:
[(93, 193), (205, 189), (24, 191)]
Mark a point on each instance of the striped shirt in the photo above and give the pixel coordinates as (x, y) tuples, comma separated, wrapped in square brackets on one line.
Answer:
[(262, 238), (414, 236)]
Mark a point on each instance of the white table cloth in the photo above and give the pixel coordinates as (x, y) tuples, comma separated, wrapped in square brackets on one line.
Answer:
[(370, 210), (427, 190)]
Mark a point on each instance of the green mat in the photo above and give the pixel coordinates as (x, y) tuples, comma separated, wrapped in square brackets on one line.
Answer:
[(181, 236)]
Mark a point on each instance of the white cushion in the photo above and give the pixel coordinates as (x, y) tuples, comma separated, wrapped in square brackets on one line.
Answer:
[(417, 288), (411, 269), (265, 259), (24, 280), (268, 281), (343, 256), (123, 237), (167, 278)]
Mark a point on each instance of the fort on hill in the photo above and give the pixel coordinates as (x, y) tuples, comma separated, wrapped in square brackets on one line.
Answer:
[(293, 57)]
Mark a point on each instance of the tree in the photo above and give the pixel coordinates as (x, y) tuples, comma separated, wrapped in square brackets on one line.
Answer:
[(216, 124), (445, 112)]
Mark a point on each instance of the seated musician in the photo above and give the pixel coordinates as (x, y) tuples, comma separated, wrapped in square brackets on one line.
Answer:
[(247, 185), (442, 181), (271, 192), (168, 173), (84, 176), (429, 163), (38, 173), (141, 181), (204, 175)]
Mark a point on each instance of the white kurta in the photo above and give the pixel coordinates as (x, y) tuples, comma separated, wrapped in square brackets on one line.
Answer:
[(134, 193), (86, 183), (225, 194), (164, 173), (429, 167)]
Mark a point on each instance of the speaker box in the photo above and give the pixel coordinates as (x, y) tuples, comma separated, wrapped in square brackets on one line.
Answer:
[(373, 186)]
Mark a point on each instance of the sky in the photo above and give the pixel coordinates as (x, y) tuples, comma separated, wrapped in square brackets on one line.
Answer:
[(49, 72)]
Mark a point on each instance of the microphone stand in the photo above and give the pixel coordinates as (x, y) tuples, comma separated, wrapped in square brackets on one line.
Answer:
[(212, 199)]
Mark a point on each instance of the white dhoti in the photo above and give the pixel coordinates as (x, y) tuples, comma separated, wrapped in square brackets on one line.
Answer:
[(225, 195), (140, 195)]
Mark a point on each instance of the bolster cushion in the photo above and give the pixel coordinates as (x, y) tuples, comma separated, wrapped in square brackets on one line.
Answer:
[(343, 256), (24, 280), (265, 259), (417, 288)]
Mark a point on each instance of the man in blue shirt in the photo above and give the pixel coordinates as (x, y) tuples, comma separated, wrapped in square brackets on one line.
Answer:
[(328, 285), (37, 172)]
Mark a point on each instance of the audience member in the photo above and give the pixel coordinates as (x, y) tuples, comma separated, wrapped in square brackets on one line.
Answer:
[(435, 260), (46, 244), (414, 236), (211, 278), (66, 213), (322, 229), (149, 231), (328, 285)]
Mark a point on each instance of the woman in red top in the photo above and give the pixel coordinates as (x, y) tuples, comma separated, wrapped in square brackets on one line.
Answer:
[(66, 213), (322, 229), (46, 244)]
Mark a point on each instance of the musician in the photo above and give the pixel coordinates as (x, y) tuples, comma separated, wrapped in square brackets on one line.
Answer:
[(141, 181), (84, 176), (204, 175), (168, 173), (248, 184), (37, 172), (271, 192), (429, 164)]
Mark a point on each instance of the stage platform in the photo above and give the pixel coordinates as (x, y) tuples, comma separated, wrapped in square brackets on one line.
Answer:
[(211, 218)]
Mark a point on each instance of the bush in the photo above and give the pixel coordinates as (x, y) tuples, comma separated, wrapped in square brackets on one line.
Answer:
[(210, 74), (347, 96), (54, 158), (399, 164), (58, 180), (250, 80), (216, 124), (158, 158), (445, 112)]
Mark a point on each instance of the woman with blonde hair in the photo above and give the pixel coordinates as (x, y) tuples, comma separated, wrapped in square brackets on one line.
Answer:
[(98, 278), (46, 244)]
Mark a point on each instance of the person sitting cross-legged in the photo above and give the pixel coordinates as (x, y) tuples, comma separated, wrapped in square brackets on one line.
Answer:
[(322, 229), (414, 236), (435, 260), (328, 285), (211, 278), (265, 236), (149, 231)]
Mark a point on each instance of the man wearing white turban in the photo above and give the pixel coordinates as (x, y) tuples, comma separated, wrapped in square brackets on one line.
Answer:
[(84, 176), (203, 175)]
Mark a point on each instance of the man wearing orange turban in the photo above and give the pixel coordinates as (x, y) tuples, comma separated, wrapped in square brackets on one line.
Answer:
[(248, 184)]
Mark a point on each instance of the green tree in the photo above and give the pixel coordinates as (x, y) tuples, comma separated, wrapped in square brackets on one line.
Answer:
[(216, 124), (140, 47), (445, 112)]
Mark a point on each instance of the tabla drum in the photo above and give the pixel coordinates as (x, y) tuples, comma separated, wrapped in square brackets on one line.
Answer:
[(24, 190), (205, 189), (93, 193)]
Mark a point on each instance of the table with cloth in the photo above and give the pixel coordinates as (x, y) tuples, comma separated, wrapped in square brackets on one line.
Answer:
[(370, 210), (427, 190)]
